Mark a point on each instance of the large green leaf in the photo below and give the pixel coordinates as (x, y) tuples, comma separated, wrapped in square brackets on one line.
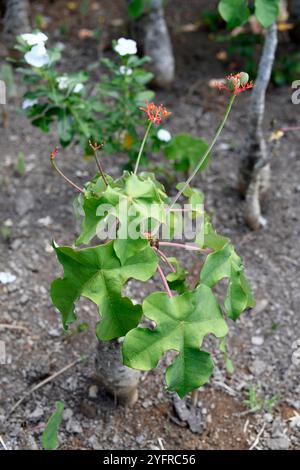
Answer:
[(234, 12), (225, 263), (49, 437), (266, 11), (181, 324), (97, 274)]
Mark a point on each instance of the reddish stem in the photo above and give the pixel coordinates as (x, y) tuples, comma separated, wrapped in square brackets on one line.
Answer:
[(52, 159), (184, 246), (163, 256), (164, 281)]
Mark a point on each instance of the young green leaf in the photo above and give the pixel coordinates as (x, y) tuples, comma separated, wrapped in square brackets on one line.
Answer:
[(97, 274), (181, 324), (234, 12), (266, 11), (49, 437)]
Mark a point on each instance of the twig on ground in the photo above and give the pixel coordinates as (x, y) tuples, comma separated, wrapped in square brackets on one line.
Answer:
[(160, 443), (257, 437), (246, 426), (8, 326), (3, 443), (44, 382)]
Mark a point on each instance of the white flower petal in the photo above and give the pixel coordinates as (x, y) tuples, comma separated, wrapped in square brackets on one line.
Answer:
[(78, 88), (37, 56), (164, 135), (35, 38), (125, 70), (28, 103), (62, 83), (126, 47)]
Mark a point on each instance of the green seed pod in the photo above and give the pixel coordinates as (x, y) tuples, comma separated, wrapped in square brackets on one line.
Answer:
[(244, 78), (230, 84)]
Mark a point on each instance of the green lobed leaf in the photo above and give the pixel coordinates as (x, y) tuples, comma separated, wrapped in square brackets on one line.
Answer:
[(266, 11), (97, 274), (225, 263), (182, 322), (49, 437), (234, 12)]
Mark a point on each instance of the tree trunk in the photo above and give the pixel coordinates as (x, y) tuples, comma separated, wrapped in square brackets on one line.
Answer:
[(255, 164), (153, 37), (118, 380), (16, 19)]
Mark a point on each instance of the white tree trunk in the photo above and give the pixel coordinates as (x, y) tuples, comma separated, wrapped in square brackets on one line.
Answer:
[(255, 164), (152, 34), (118, 380)]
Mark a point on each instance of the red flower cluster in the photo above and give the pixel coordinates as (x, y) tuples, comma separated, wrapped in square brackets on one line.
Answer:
[(236, 83), (155, 113)]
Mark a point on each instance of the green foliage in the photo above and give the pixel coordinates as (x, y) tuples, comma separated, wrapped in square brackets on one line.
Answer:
[(138, 208), (237, 12), (234, 12), (50, 434), (98, 274), (266, 11), (286, 69), (225, 263), (81, 112), (136, 8), (253, 401), (256, 403), (20, 164), (185, 151)]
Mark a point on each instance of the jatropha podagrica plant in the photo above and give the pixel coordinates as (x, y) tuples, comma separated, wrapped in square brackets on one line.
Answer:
[(130, 215)]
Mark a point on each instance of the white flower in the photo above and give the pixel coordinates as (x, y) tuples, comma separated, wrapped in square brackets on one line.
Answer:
[(126, 47), (125, 70), (78, 88), (35, 38), (38, 56), (164, 135), (62, 83), (27, 103)]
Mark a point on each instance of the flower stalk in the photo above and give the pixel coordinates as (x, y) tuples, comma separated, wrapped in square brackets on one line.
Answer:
[(142, 147), (54, 165), (202, 160)]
